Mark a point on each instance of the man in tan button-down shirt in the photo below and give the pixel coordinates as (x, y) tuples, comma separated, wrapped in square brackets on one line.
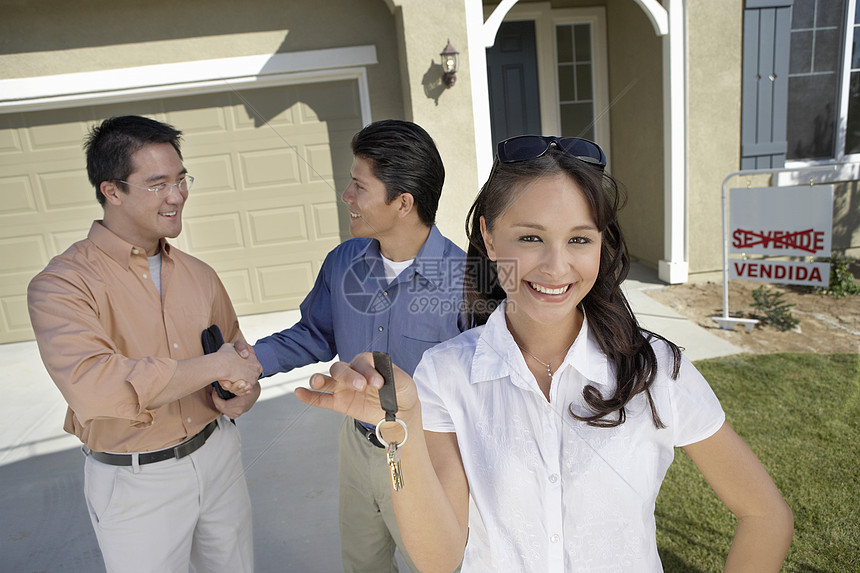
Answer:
[(118, 318)]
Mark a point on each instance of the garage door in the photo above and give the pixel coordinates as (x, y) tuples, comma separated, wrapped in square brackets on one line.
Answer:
[(269, 165)]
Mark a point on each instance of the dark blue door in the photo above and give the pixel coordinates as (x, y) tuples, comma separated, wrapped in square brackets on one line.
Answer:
[(513, 81)]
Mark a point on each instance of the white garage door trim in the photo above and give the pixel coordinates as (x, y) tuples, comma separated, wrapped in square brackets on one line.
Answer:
[(188, 78)]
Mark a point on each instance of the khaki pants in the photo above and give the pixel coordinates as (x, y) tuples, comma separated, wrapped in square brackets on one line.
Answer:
[(368, 529), (167, 515)]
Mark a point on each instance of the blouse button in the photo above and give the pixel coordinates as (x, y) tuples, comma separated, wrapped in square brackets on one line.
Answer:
[(553, 478), (144, 275), (381, 329), (175, 345), (188, 420), (135, 252), (555, 538)]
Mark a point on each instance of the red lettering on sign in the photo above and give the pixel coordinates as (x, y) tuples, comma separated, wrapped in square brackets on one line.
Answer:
[(809, 240), (778, 272)]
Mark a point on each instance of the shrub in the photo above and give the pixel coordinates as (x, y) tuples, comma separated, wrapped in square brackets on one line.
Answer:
[(776, 311), (842, 282)]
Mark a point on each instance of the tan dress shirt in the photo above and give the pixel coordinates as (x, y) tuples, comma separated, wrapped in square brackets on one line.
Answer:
[(111, 344)]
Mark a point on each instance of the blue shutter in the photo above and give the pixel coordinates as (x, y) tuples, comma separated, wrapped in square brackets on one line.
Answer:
[(764, 105)]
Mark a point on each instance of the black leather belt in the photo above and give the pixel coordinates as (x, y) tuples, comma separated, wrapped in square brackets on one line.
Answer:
[(190, 445), (369, 433)]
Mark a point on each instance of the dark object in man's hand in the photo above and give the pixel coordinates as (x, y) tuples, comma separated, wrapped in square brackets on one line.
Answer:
[(212, 341)]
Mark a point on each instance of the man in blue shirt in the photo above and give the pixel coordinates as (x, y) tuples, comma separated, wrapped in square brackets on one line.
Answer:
[(396, 287)]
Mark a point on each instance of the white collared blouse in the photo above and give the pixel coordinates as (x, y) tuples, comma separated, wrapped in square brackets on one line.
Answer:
[(551, 493)]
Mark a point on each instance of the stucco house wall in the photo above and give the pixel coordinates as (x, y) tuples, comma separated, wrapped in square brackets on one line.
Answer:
[(56, 37), (714, 40), (636, 96)]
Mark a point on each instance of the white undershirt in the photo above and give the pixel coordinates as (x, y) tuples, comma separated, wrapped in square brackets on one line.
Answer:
[(155, 270), (394, 268)]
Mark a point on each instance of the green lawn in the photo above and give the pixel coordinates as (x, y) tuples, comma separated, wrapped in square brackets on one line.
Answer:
[(799, 413)]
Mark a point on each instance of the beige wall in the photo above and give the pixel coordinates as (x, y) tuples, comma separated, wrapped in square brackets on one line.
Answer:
[(636, 93), (714, 117), (846, 218), (56, 36), (446, 114)]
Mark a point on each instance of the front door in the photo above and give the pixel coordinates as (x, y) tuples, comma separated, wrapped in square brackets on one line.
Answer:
[(513, 81)]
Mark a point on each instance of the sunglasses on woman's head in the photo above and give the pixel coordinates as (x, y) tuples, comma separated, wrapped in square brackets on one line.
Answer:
[(526, 147)]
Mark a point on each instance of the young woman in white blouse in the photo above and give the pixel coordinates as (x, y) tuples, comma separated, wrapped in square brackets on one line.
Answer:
[(557, 414)]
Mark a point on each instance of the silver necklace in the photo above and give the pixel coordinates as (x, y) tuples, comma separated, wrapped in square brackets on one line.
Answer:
[(547, 364)]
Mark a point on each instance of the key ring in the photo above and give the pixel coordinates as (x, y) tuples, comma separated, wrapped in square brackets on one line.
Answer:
[(379, 434)]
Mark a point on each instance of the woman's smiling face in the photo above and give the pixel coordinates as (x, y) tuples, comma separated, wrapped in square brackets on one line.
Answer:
[(547, 248)]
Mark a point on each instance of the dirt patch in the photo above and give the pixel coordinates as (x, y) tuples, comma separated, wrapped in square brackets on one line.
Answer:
[(827, 324)]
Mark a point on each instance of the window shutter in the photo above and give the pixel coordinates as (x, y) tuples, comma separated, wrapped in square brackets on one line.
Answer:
[(764, 105)]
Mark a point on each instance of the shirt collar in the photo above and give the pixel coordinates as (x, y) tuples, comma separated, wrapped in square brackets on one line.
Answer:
[(117, 248), (426, 262), (431, 257), (587, 358), (497, 355)]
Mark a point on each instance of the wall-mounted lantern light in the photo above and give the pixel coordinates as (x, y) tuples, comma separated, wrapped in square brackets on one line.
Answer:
[(450, 63)]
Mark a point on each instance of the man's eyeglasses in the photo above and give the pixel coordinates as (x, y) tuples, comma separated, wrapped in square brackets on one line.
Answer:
[(526, 147), (164, 189)]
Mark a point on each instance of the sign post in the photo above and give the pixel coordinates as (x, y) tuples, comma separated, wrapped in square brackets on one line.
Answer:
[(775, 222), (781, 222)]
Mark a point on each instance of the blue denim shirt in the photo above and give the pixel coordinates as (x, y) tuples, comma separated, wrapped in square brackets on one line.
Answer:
[(352, 308)]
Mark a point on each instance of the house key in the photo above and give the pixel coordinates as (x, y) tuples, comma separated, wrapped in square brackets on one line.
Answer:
[(388, 401)]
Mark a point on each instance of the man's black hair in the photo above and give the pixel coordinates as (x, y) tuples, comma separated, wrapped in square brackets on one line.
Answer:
[(404, 157), (109, 147)]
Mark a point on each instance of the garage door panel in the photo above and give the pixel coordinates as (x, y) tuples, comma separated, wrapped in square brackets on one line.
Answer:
[(278, 226), (325, 218), (10, 141), (335, 103), (23, 254), (321, 103), (214, 233), (56, 129), (15, 317), (238, 284), (264, 212), (208, 120), (319, 162), (287, 281), (17, 196), (253, 109), (270, 197), (213, 174), (64, 189), (270, 167), (62, 240), (153, 108)]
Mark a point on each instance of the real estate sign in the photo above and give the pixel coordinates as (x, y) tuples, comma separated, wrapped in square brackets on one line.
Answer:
[(781, 222)]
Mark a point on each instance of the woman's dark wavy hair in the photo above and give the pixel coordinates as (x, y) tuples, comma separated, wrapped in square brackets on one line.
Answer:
[(610, 319)]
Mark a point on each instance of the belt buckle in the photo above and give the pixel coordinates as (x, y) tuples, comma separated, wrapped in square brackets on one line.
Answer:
[(193, 443)]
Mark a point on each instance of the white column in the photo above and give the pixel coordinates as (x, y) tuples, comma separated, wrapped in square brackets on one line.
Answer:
[(674, 267), (482, 36)]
